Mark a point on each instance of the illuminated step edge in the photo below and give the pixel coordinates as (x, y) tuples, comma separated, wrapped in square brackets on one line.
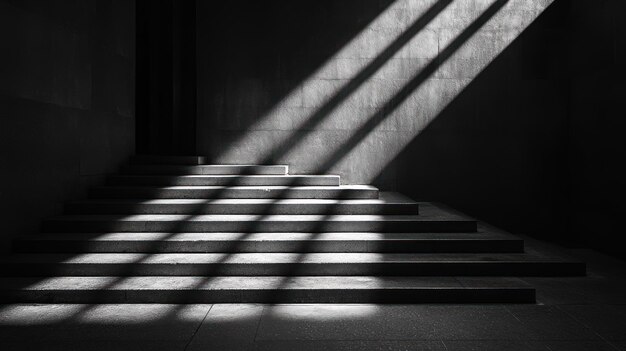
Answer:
[(269, 242), (276, 289), (162, 159), (237, 192), (225, 180), (257, 223), (242, 206), (206, 169), (288, 264)]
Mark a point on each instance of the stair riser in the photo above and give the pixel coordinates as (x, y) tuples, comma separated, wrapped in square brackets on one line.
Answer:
[(263, 226), (204, 170), (223, 181), (148, 193), (389, 246), (168, 160), (241, 209), (438, 295), (509, 269)]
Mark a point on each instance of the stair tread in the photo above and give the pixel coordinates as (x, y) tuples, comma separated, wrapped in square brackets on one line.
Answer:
[(222, 165), (163, 159), (243, 201), (207, 165), (384, 198), (280, 258), (247, 187), (206, 168), (428, 212), (258, 218), (229, 176), (252, 206), (330, 236), (237, 283), (176, 229), (225, 179), (238, 191)]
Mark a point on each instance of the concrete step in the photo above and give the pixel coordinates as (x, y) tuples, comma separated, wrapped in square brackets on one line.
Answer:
[(205, 169), (258, 223), (169, 160), (287, 264), (242, 206), (225, 180), (268, 242), (358, 289), (238, 192)]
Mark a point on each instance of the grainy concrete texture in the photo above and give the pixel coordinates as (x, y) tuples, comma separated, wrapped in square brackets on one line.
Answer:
[(492, 107), (346, 89), (66, 103), (579, 313), (507, 110)]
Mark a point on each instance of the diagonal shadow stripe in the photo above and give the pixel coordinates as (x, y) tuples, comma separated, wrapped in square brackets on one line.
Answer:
[(410, 87), (367, 72)]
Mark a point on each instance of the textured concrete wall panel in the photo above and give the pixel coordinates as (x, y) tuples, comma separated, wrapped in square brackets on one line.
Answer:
[(66, 103), (354, 111)]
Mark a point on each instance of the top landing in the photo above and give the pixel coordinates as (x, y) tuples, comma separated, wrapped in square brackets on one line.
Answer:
[(156, 163)]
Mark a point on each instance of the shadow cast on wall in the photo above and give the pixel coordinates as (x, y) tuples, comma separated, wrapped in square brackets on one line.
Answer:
[(363, 104), (501, 150), (498, 151), (253, 54)]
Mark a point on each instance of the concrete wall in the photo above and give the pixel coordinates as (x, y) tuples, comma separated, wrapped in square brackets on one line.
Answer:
[(340, 87), (534, 143), (499, 149), (490, 106), (253, 60), (463, 102), (66, 103), (598, 127)]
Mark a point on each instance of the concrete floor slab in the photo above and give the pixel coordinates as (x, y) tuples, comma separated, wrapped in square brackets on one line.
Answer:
[(550, 323), (228, 327), (394, 322), (95, 345), (580, 345), (494, 345), (102, 322), (361, 345), (553, 325), (608, 321)]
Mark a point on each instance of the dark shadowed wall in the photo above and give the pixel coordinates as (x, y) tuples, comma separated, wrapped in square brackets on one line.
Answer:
[(166, 77), (66, 103), (598, 123), (499, 150), (535, 143)]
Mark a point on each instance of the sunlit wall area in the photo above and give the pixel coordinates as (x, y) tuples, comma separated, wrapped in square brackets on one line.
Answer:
[(352, 113), (531, 143), (499, 149)]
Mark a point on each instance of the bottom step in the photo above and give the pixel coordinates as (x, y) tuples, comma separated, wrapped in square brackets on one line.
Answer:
[(302, 289)]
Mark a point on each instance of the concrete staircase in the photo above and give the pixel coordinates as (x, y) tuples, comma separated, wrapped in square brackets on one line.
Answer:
[(175, 230)]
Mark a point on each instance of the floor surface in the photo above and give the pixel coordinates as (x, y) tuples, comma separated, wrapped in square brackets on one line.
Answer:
[(581, 313)]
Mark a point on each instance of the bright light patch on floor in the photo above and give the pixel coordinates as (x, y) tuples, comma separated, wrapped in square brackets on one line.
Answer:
[(24, 315), (323, 312)]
